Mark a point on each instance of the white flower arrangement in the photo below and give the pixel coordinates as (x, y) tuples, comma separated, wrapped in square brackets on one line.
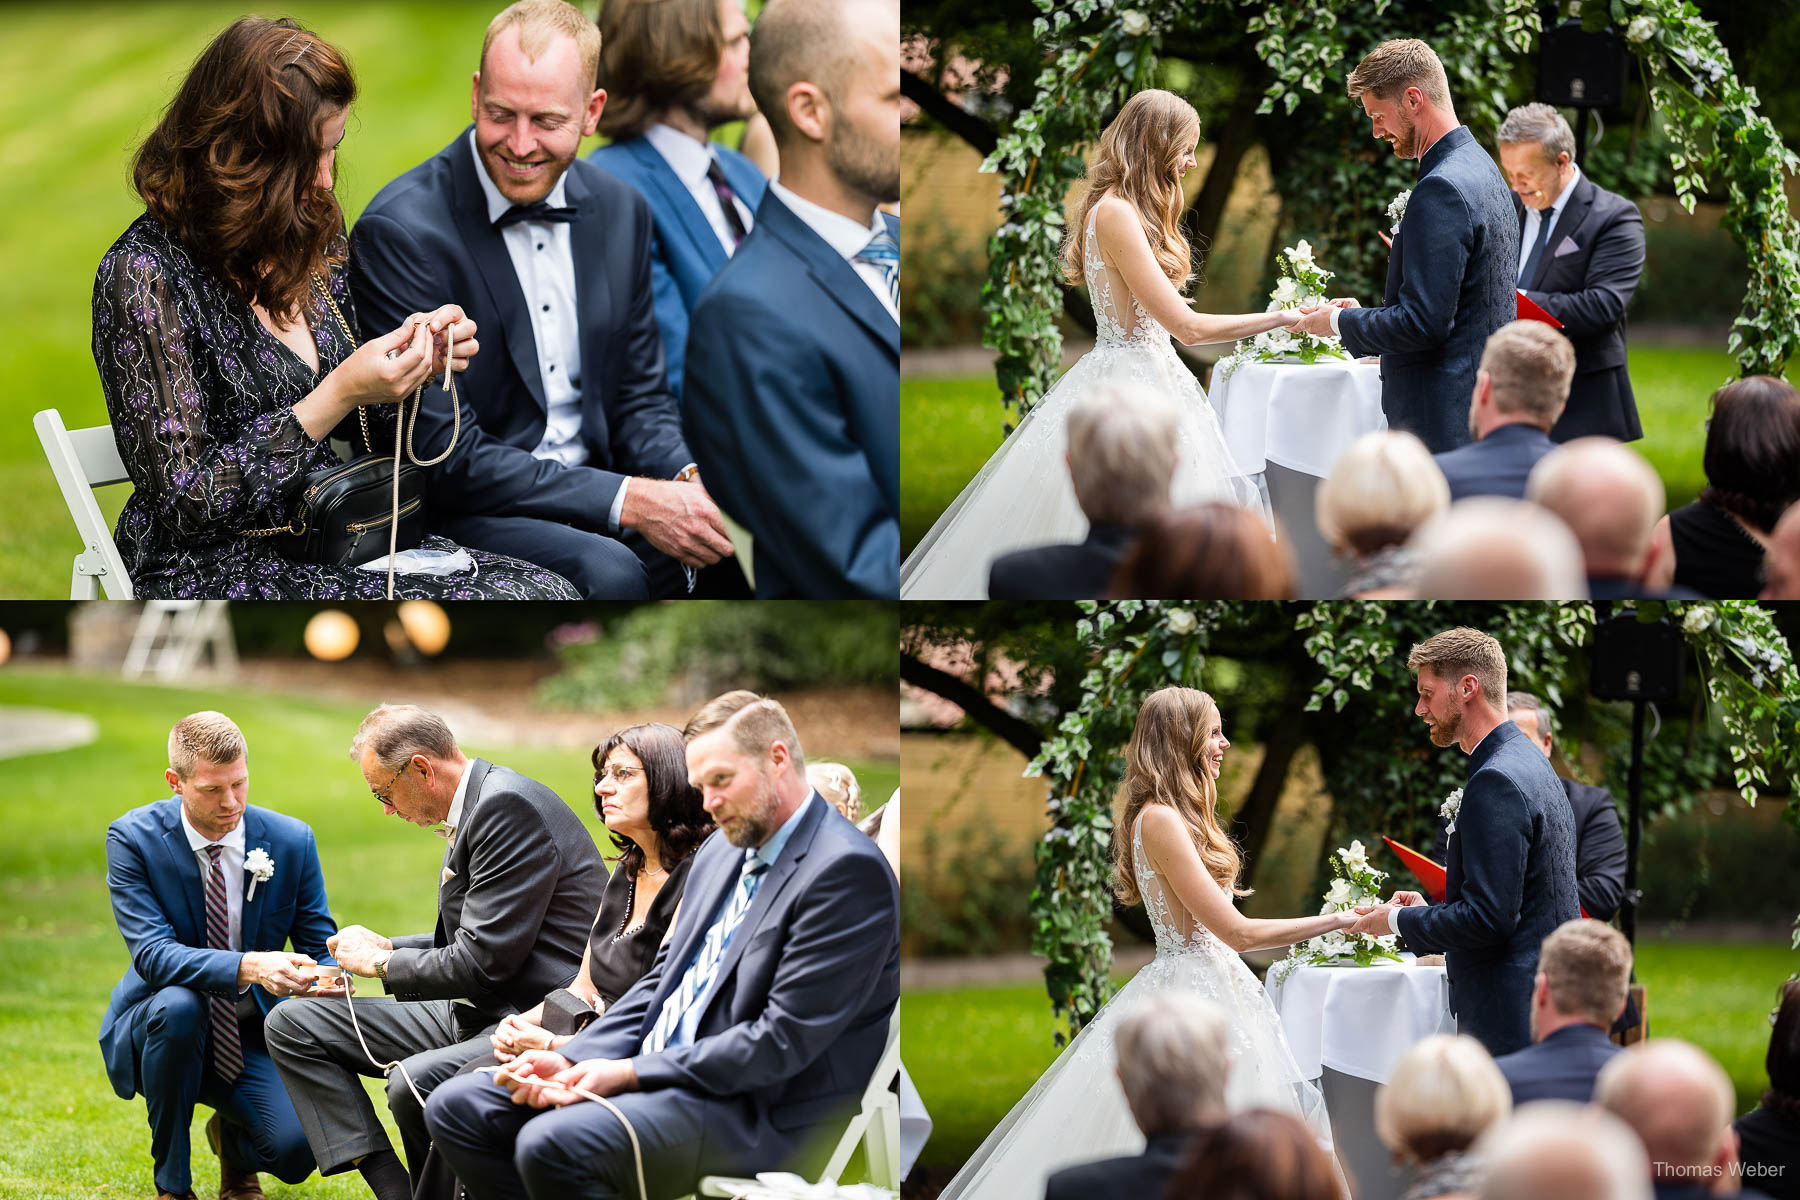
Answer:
[(1396, 210), (1302, 282), (1354, 882), (1134, 22), (1181, 621), (1641, 29), (1451, 806), (1698, 619), (261, 868)]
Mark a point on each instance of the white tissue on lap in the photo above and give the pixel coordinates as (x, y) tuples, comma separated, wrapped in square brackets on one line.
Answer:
[(424, 562)]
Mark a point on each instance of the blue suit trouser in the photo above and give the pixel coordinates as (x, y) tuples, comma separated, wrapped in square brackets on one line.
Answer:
[(259, 1131), (601, 566)]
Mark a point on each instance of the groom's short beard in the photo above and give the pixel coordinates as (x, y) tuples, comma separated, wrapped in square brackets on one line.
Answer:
[(1448, 732)]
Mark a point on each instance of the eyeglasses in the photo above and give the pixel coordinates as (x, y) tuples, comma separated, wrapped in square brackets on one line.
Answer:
[(619, 775), (382, 795)]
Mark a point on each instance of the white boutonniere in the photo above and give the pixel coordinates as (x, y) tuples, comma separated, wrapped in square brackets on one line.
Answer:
[(261, 868), (1397, 209), (1452, 806)]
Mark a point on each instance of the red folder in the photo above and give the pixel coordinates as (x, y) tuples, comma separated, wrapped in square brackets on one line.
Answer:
[(1429, 874), (1384, 237), (1529, 310)]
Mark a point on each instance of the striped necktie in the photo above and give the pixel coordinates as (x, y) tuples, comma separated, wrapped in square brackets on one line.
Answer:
[(699, 975), (883, 253), (227, 1050)]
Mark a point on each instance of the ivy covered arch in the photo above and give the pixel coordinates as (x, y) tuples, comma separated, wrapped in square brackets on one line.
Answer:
[(1101, 51)]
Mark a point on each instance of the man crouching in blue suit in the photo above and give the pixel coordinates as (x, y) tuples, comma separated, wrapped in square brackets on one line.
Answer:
[(207, 891), (755, 1031)]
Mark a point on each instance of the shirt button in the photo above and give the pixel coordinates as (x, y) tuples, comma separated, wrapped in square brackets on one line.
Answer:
[(553, 368), (546, 308), (540, 245)]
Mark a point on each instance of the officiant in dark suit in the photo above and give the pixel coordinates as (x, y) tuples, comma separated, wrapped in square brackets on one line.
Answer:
[(1581, 254), (570, 452), (1509, 871), (1455, 254), (792, 393)]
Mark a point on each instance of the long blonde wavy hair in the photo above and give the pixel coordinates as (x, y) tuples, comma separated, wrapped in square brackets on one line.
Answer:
[(1162, 766), (1140, 160)]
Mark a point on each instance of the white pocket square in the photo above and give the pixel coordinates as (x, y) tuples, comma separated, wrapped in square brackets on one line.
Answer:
[(446, 877), (1566, 246)]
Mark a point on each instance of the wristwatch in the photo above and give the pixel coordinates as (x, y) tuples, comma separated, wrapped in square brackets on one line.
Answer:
[(381, 966), (687, 474)]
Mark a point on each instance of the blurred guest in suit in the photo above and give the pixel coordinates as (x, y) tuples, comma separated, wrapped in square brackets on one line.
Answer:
[(1214, 551), (791, 397), (1769, 1134), (1610, 498), (1121, 456), (1679, 1101), (673, 71), (1583, 981), (1519, 390), (1174, 1056), (1258, 1154), (1581, 252), (1490, 548), (570, 451), (1380, 491), (1440, 1098), (1557, 1150)]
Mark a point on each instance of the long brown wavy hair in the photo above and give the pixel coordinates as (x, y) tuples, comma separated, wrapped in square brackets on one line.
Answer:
[(1162, 766), (655, 54), (1140, 159), (231, 170)]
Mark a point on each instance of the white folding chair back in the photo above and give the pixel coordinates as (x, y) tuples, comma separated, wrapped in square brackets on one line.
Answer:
[(82, 460)]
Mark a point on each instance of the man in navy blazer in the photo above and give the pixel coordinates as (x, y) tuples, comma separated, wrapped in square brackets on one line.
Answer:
[(570, 453), (1519, 390), (184, 1025), (792, 393), (1583, 981), (758, 1026), (660, 116), (1582, 254), (1509, 874), (1455, 254)]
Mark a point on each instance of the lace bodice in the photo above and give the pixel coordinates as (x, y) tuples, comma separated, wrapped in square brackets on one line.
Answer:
[(1177, 932), (1118, 317)]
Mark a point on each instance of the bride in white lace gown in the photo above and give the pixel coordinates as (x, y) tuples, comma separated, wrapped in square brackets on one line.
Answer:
[(1125, 242), (1184, 868)]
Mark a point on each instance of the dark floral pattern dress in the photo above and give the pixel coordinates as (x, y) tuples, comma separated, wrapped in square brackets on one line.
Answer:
[(201, 398)]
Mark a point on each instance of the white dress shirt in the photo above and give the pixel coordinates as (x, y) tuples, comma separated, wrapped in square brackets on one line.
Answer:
[(232, 863), (1535, 218), (689, 160), (844, 235)]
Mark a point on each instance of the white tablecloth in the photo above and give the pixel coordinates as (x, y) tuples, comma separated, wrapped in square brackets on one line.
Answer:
[(1360, 1020), (1297, 416)]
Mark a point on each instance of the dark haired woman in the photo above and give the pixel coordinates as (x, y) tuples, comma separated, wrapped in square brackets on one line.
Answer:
[(221, 339), (1769, 1134), (1715, 545)]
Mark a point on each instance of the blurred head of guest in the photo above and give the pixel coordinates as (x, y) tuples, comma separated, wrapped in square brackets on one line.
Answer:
[(1121, 456), (1210, 552), (1174, 1055), (680, 63), (1256, 1155), (1584, 975), (837, 783), (1490, 548), (1442, 1095), (826, 74), (1679, 1102), (1611, 499), (1382, 488), (1769, 1134), (1526, 370), (1752, 457), (1560, 1150), (1782, 565)]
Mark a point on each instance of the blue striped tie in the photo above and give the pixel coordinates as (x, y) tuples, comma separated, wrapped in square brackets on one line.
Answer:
[(699, 975), (883, 253)]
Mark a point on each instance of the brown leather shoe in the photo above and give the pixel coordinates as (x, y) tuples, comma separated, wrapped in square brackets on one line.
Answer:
[(162, 1195), (233, 1183)]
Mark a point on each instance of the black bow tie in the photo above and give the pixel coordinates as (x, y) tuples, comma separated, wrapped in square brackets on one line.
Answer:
[(533, 212)]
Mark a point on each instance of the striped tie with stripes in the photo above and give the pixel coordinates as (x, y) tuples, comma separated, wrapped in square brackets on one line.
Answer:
[(699, 975), (883, 253), (227, 1050)]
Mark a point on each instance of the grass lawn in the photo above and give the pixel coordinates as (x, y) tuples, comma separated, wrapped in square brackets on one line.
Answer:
[(950, 426), (974, 1052), (60, 952)]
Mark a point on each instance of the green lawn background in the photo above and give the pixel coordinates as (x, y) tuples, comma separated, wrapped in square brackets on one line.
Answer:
[(66, 1133), (953, 424)]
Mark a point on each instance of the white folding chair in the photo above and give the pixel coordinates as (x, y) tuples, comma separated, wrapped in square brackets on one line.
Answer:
[(82, 460), (876, 1126)]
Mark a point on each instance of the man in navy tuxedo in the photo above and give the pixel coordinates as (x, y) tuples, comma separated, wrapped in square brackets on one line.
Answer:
[(1583, 981), (1519, 390), (792, 394), (1455, 255), (207, 891), (570, 452), (1581, 254), (756, 1030), (1509, 874), (660, 113)]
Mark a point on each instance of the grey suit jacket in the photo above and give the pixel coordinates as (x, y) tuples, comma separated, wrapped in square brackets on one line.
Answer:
[(514, 916)]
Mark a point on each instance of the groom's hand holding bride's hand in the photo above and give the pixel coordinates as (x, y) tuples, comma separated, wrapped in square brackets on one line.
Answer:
[(1372, 919)]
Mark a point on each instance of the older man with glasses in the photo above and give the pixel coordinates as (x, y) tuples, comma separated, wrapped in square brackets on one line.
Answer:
[(517, 891)]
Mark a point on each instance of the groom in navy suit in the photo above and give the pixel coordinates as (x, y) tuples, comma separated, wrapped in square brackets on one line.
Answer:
[(792, 398), (570, 453), (1509, 875), (1454, 259), (184, 1025), (660, 113), (755, 1031)]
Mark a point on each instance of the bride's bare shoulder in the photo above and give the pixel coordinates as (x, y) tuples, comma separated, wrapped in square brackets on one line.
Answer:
[(1115, 217), (1162, 826)]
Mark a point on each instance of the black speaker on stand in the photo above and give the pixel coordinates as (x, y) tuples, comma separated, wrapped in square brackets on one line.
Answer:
[(1579, 70)]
